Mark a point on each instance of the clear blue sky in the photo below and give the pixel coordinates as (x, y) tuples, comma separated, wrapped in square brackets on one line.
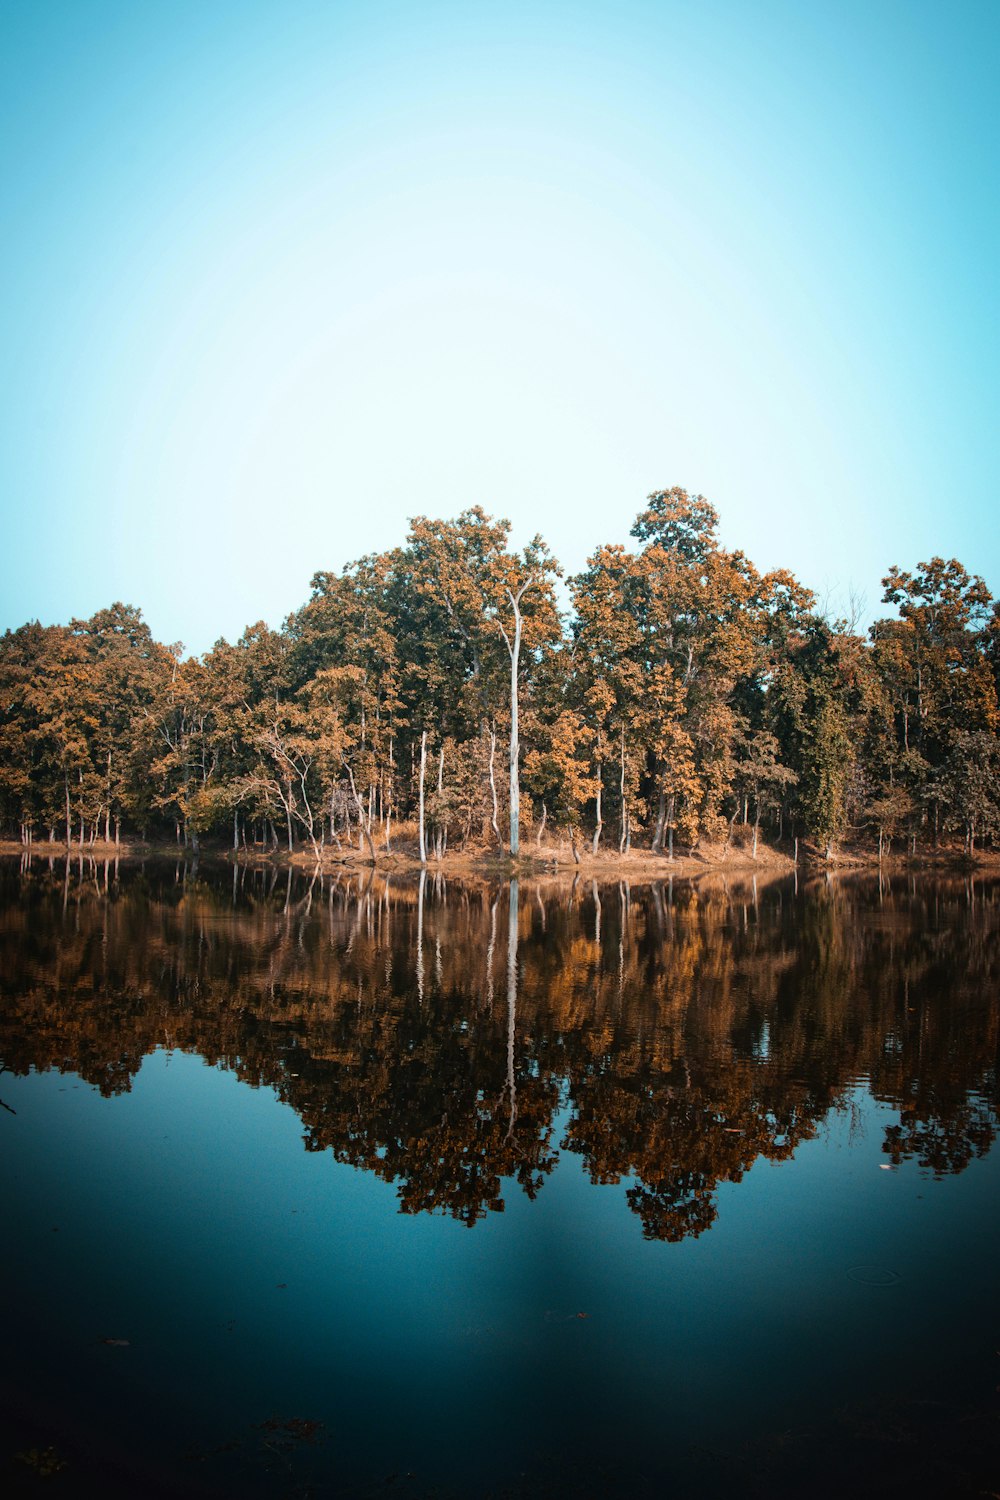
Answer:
[(276, 276)]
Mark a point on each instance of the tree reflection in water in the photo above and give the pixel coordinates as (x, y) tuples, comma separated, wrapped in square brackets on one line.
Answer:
[(668, 1035)]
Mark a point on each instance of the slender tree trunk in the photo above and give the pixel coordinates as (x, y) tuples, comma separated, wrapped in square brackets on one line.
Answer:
[(541, 828), (69, 821), (423, 772), (364, 821), (621, 789), (441, 835), (493, 787), (597, 812), (515, 782)]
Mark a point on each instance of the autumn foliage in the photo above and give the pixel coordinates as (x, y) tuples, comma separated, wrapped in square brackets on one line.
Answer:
[(682, 695)]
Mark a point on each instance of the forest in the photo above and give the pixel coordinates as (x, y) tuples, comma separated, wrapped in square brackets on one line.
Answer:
[(443, 696)]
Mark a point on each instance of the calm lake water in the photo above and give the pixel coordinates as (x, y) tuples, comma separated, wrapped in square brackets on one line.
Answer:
[(362, 1187)]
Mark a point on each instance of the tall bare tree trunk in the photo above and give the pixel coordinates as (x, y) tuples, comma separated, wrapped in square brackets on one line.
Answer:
[(621, 788), (515, 781), (423, 771), (599, 824), (363, 818), (514, 650), (493, 786)]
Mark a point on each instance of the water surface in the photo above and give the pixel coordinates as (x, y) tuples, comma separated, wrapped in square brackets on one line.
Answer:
[(363, 1187)]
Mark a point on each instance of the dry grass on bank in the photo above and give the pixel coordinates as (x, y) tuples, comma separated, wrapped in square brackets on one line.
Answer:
[(553, 856)]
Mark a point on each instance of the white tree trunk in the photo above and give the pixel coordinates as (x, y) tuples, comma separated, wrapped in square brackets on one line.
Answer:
[(515, 782), (493, 787), (423, 771)]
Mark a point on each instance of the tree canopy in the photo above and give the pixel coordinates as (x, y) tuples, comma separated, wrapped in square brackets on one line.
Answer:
[(682, 692)]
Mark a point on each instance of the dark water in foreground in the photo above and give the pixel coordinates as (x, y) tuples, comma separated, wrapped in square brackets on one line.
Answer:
[(412, 1188)]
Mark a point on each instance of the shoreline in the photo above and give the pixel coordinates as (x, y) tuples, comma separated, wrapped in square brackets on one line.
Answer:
[(550, 860)]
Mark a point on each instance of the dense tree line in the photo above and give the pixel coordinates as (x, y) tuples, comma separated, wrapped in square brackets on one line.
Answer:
[(439, 685)]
